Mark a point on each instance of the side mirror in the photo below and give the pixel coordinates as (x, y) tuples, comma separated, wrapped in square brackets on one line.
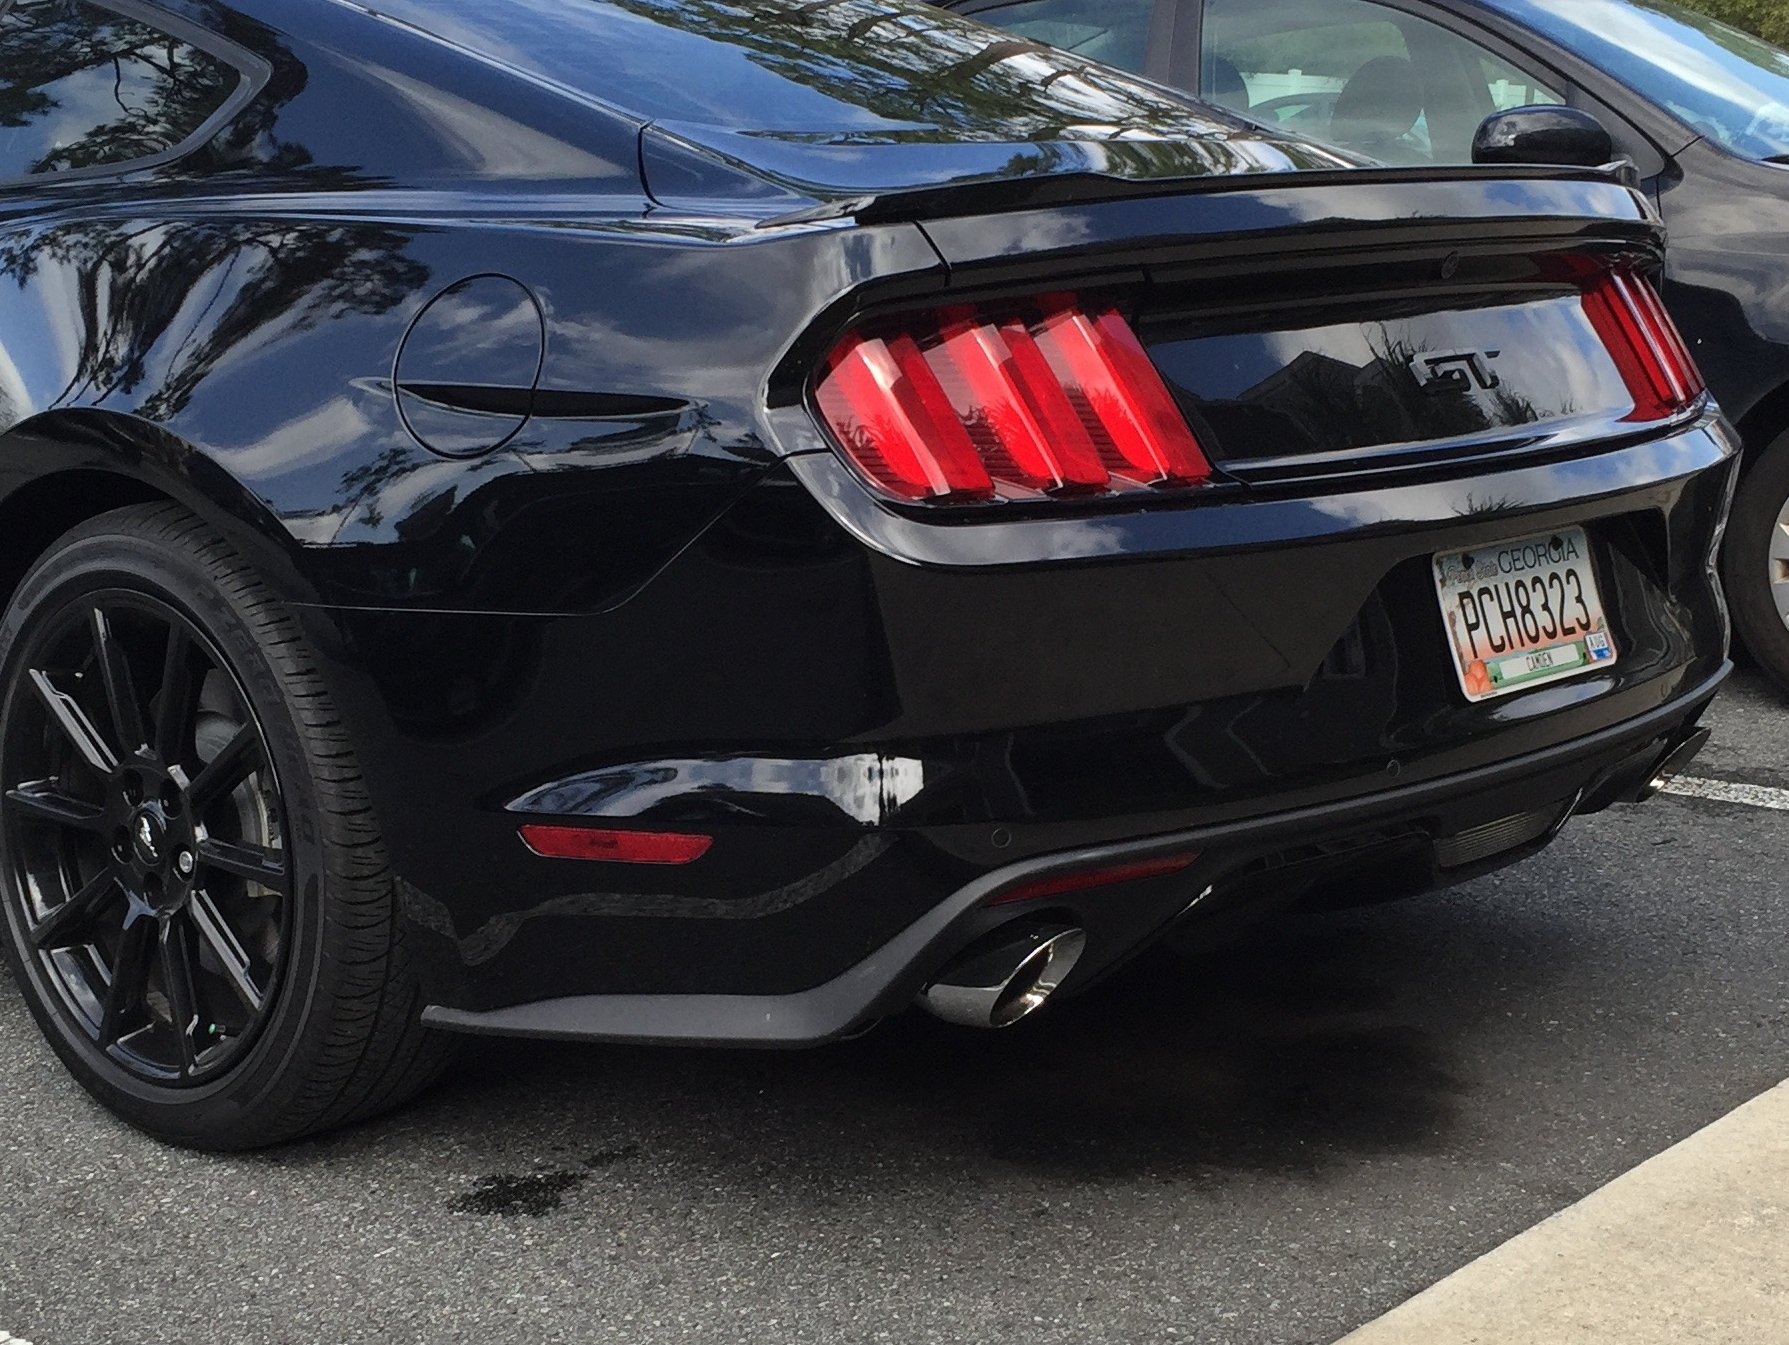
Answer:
[(1560, 135)]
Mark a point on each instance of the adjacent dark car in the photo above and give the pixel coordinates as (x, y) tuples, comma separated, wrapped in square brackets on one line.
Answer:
[(1700, 107), (682, 521)]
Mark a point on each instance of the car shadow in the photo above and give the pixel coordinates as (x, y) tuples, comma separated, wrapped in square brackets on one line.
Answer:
[(1297, 1045)]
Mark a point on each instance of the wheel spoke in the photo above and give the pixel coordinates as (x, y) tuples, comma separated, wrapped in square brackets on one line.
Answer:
[(174, 715), (43, 802), (121, 687), (129, 972), (183, 995), (1779, 538), (75, 725), (253, 862), (209, 921), (226, 770), (76, 914)]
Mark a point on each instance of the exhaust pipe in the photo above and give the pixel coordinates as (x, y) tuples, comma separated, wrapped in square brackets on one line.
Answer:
[(1672, 763), (1005, 977)]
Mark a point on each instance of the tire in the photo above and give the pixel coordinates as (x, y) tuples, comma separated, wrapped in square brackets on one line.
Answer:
[(204, 925), (1755, 561)]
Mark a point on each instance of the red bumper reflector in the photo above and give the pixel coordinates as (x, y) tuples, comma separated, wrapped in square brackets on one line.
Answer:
[(617, 847), (1057, 884), (964, 405)]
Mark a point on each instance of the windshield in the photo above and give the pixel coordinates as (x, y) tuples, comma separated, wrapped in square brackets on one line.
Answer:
[(1729, 86)]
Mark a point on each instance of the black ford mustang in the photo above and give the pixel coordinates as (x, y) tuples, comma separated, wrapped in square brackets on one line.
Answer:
[(707, 520)]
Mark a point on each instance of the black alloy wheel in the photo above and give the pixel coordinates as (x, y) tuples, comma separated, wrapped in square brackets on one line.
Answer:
[(143, 825), (195, 897)]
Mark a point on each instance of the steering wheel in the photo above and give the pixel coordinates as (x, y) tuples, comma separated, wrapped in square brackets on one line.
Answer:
[(1305, 107)]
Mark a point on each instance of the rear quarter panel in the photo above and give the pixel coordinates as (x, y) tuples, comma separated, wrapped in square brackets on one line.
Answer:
[(223, 329)]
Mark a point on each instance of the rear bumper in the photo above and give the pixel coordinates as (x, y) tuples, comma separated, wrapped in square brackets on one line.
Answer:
[(1402, 832), (869, 733)]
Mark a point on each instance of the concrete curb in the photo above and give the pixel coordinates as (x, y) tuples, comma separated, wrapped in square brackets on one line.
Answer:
[(1692, 1246)]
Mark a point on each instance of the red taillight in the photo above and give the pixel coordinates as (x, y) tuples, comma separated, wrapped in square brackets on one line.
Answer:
[(1057, 884), (1654, 362), (620, 847), (961, 406)]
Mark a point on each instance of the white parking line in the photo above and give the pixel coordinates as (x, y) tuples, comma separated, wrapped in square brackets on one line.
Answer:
[(8, 1339), (1730, 791)]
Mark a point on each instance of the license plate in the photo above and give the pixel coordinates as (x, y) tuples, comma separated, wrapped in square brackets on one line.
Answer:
[(1524, 613)]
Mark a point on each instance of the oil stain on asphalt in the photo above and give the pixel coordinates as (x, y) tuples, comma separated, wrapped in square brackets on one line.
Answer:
[(534, 1194)]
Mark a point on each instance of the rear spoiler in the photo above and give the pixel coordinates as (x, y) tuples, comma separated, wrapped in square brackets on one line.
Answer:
[(1002, 196)]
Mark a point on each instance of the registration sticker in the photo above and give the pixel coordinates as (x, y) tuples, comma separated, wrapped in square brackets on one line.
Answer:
[(1523, 613)]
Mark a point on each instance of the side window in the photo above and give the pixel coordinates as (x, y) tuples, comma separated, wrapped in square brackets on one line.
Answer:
[(1113, 32), (1362, 76), (1512, 87), (82, 86)]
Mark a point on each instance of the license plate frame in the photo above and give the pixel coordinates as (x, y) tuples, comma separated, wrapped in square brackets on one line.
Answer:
[(1536, 596)]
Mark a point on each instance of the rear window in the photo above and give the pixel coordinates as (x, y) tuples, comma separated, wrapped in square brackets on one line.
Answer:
[(825, 67), (1114, 34), (82, 86)]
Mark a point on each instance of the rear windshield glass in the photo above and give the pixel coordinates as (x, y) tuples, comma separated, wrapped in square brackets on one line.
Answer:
[(1727, 85), (806, 65)]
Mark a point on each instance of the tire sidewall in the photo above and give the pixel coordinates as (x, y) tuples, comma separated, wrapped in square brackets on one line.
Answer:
[(1746, 559), (91, 560)]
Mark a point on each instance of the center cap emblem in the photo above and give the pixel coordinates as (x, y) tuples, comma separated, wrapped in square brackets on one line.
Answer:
[(146, 835)]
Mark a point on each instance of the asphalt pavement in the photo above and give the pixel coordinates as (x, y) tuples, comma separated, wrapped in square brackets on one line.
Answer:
[(1271, 1145)]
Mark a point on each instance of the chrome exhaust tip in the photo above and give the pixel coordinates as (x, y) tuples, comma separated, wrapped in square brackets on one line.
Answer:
[(1672, 763), (1006, 977)]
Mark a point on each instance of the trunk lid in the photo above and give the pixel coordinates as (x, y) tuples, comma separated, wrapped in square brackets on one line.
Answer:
[(1318, 323), (1372, 366)]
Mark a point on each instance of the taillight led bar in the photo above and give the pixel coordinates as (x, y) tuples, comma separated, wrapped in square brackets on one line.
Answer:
[(1654, 362), (963, 405)]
